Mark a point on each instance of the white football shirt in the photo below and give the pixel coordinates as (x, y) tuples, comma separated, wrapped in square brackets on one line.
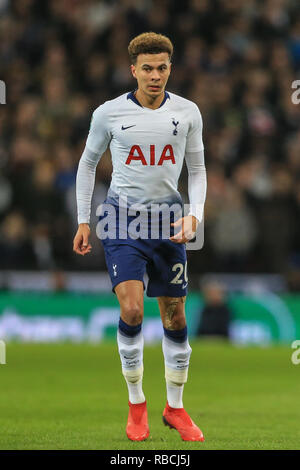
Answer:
[(148, 147)]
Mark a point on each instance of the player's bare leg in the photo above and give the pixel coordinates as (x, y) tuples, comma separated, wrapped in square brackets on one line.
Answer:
[(130, 344), (177, 353)]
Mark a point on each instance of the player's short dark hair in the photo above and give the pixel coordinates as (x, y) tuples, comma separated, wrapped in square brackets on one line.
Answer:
[(149, 43)]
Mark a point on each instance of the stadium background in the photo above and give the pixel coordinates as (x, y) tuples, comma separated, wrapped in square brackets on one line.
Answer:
[(237, 60)]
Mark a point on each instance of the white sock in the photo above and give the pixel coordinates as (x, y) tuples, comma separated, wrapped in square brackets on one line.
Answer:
[(174, 395), (131, 355), (135, 392), (176, 357)]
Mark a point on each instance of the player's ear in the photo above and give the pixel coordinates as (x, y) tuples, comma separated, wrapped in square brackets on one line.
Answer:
[(132, 68)]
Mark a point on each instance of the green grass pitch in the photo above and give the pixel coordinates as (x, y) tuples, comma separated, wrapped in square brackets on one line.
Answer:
[(66, 396)]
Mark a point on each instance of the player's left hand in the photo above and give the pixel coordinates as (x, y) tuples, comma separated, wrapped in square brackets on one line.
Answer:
[(188, 226)]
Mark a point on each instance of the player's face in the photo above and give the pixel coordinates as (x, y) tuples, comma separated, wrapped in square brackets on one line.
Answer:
[(152, 72)]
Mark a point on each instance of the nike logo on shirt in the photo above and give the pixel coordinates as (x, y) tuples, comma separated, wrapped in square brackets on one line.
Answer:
[(123, 128)]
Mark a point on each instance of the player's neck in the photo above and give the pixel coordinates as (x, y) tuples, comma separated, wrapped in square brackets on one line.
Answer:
[(148, 101)]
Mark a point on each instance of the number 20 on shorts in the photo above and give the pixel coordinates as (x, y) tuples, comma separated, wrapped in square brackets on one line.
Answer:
[(178, 268)]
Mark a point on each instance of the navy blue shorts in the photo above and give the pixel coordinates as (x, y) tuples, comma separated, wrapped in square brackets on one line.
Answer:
[(163, 260)]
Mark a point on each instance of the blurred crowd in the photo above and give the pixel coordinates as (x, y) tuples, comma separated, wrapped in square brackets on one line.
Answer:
[(236, 59)]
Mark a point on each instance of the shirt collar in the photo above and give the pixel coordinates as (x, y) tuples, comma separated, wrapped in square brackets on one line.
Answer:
[(131, 96)]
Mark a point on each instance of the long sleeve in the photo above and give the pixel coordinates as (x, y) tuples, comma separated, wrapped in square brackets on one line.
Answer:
[(96, 144), (85, 182), (194, 157), (196, 182)]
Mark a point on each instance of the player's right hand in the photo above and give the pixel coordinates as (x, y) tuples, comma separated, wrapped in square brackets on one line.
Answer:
[(81, 244)]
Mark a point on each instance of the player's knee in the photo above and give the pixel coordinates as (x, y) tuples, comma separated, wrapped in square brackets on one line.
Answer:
[(132, 314)]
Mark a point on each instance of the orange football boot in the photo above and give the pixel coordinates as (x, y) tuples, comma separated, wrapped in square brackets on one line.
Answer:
[(137, 428), (177, 418)]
